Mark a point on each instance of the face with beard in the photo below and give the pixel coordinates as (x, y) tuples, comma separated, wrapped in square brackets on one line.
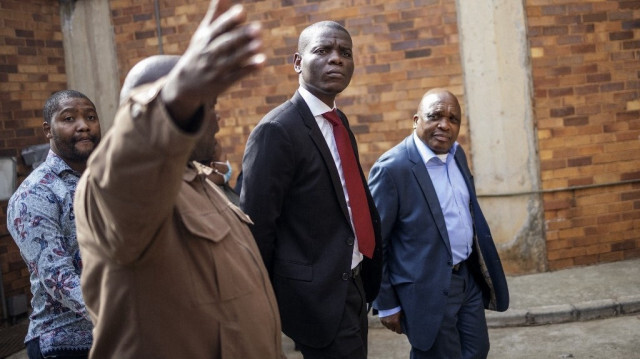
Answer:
[(73, 131)]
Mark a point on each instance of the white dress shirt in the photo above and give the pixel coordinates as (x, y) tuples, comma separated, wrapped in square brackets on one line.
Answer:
[(317, 108)]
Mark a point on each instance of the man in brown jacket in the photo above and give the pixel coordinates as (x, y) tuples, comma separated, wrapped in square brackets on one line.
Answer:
[(171, 269)]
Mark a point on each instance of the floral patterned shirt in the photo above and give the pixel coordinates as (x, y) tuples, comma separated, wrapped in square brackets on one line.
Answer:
[(41, 221)]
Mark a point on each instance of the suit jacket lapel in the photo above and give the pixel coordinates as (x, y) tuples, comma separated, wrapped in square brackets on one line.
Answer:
[(480, 227), (424, 181), (474, 206), (321, 144), (461, 160)]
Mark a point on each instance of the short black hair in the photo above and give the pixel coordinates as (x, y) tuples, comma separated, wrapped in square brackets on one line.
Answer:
[(53, 102)]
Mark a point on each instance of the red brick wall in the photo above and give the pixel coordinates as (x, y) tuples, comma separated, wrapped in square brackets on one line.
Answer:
[(586, 70), (585, 63), (31, 69), (401, 50)]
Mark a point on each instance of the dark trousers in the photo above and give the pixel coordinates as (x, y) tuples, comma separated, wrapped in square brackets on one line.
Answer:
[(463, 333), (351, 341), (34, 352)]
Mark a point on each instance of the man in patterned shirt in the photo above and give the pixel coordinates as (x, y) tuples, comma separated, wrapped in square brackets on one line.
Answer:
[(41, 221)]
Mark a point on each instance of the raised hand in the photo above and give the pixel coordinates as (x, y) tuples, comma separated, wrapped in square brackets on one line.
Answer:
[(221, 51)]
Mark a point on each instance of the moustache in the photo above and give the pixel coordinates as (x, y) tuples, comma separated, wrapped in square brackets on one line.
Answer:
[(93, 139)]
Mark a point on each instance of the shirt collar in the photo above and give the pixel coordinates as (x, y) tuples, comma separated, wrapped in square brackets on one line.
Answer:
[(426, 153), (194, 169), (57, 164), (316, 106)]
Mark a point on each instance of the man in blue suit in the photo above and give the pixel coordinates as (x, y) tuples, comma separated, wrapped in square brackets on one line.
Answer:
[(440, 265)]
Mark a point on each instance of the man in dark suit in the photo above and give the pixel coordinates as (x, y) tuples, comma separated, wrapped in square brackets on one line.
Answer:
[(315, 222), (440, 267)]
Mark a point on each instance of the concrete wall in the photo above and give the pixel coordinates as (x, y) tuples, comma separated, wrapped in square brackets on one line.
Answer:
[(90, 54), (498, 88)]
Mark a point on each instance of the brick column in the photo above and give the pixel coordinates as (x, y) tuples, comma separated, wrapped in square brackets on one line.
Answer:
[(498, 94)]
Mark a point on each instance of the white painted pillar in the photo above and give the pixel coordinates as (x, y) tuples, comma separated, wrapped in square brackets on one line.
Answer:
[(498, 92), (90, 54)]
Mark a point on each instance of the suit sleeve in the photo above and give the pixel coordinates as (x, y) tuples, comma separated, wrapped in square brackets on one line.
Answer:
[(268, 169), (385, 195)]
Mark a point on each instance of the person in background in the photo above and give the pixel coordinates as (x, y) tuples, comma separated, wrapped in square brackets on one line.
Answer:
[(315, 222), (440, 268), (171, 268), (220, 174), (41, 220), (238, 187)]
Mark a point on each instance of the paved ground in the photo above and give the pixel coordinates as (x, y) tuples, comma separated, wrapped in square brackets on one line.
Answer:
[(583, 312), (613, 338)]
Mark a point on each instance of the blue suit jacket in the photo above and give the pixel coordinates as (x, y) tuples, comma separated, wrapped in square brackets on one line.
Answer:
[(417, 257)]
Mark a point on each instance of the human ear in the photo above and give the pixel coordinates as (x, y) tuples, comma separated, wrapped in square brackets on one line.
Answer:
[(297, 59), (46, 128)]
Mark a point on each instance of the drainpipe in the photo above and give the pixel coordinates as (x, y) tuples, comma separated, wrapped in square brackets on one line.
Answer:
[(156, 6)]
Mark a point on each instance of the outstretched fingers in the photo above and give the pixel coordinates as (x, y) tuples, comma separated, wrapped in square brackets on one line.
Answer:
[(221, 52), (235, 52)]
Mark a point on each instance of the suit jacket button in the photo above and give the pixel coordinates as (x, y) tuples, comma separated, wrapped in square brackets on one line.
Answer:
[(350, 241), (345, 276), (445, 292)]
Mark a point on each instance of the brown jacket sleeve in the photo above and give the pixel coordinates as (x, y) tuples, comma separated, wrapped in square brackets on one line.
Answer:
[(133, 177)]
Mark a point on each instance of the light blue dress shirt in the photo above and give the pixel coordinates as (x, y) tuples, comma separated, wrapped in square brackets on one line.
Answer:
[(453, 196)]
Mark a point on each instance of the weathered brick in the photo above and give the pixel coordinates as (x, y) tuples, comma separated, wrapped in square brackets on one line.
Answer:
[(24, 33), (594, 17), (615, 86), (627, 196), (566, 91), (630, 25), (629, 4), (582, 29), (555, 30), (576, 121), (630, 45), (562, 111), (621, 35), (580, 161), (583, 48), (603, 77)]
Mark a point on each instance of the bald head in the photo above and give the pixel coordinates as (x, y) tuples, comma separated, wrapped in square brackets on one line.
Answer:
[(307, 34), (147, 71), (438, 93)]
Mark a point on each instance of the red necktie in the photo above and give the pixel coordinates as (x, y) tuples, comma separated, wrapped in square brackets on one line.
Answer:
[(357, 198)]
